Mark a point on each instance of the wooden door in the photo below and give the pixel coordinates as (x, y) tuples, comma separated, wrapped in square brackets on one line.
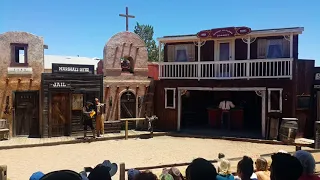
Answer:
[(60, 121), (26, 116), (128, 105)]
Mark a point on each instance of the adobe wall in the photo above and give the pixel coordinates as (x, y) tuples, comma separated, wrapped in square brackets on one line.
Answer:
[(11, 83)]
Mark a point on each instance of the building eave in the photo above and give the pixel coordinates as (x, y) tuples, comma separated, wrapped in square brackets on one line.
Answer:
[(255, 33)]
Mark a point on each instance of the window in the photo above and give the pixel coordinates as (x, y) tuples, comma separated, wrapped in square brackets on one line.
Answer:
[(273, 48), (274, 100), (19, 54), (181, 53), (170, 98)]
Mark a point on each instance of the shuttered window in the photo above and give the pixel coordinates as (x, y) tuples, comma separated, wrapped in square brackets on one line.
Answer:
[(273, 48), (181, 53)]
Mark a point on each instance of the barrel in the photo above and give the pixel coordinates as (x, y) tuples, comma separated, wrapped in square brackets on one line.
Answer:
[(317, 135), (288, 130)]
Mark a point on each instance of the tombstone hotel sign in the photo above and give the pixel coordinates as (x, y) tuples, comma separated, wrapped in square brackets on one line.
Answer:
[(224, 32), (72, 69)]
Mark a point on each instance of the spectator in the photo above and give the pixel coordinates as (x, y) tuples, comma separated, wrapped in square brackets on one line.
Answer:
[(224, 170), (36, 175), (147, 175), (201, 169), (262, 171), (308, 163), (175, 173), (132, 173), (245, 169), (103, 171), (62, 175), (285, 167), (166, 176)]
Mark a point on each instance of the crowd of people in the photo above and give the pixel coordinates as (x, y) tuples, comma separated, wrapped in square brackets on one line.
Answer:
[(284, 166)]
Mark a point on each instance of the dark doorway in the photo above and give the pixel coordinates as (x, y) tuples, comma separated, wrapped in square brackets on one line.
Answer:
[(128, 105), (60, 122), (26, 116)]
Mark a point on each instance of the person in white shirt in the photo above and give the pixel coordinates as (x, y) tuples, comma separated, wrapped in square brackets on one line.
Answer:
[(225, 107)]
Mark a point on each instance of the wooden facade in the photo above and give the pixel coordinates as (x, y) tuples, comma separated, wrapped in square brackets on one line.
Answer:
[(63, 96), (290, 88)]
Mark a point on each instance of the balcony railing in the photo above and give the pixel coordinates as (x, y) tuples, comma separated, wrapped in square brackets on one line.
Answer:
[(238, 69)]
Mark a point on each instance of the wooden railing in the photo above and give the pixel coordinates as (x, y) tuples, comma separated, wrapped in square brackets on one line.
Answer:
[(238, 69)]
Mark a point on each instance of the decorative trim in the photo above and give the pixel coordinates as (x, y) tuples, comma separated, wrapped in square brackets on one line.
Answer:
[(245, 39), (165, 98), (196, 43), (258, 93)]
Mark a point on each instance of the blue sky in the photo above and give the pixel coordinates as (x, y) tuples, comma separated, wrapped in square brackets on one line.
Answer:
[(78, 27)]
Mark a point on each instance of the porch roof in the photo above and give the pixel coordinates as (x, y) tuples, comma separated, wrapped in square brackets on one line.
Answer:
[(254, 33)]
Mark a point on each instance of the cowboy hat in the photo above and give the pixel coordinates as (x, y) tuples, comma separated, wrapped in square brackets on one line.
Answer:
[(62, 175), (100, 170), (113, 167)]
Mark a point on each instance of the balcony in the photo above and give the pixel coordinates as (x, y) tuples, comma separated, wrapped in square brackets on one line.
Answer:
[(223, 70)]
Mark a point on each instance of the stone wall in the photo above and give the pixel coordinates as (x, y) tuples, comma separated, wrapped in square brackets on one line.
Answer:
[(11, 83)]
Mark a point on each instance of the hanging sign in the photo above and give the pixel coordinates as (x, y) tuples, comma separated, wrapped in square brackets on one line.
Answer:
[(317, 76), (60, 84), (72, 68), (224, 32)]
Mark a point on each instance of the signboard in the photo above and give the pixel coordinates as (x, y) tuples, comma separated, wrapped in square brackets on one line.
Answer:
[(72, 68), (224, 32), (60, 84), (19, 70), (317, 76)]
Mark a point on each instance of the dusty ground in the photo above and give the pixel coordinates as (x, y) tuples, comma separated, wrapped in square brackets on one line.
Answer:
[(134, 152)]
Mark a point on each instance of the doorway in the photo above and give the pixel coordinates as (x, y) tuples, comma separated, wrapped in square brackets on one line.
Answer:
[(26, 114), (60, 121), (128, 105)]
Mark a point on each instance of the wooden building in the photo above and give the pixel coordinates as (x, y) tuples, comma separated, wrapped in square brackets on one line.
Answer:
[(258, 69), (64, 93), (21, 56)]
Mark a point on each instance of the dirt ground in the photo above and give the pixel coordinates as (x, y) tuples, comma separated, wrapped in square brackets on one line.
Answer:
[(133, 152)]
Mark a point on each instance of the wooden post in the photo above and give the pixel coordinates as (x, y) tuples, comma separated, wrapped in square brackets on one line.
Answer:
[(126, 130), (3, 172), (122, 171)]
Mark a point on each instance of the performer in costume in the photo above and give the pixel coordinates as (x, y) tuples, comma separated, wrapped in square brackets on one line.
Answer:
[(88, 115), (225, 107), (99, 121)]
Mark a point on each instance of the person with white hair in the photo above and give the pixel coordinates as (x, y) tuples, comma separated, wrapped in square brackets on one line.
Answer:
[(308, 163)]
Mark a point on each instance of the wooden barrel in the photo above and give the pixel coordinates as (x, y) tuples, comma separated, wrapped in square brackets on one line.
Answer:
[(288, 130)]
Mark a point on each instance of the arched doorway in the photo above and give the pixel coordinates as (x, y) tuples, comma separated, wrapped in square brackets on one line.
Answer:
[(128, 105)]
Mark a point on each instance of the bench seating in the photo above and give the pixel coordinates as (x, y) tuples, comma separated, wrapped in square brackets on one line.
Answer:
[(4, 129)]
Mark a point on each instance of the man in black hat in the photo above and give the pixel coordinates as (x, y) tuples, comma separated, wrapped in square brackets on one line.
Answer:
[(88, 119)]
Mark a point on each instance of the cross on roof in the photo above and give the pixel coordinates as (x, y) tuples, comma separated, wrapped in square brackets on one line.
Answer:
[(127, 16)]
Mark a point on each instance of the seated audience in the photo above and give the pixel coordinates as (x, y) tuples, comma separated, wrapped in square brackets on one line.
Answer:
[(146, 175), (62, 175), (308, 163), (224, 170), (262, 171), (132, 173), (245, 169), (285, 167), (165, 175), (201, 169)]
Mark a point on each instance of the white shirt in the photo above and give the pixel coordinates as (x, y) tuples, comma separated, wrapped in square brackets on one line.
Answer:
[(226, 105)]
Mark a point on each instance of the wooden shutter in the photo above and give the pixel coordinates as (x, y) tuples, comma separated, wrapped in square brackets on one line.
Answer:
[(285, 48), (191, 52), (170, 53), (262, 48)]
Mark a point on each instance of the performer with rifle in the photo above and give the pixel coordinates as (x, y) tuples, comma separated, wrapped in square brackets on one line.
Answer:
[(99, 121), (88, 115)]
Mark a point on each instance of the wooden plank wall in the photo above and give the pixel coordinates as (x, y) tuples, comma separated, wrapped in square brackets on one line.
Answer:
[(80, 84)]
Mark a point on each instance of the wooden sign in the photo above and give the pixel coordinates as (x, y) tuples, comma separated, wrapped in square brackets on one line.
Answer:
[(60, 84), (72, 68), (19, 70), (224, 32)]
